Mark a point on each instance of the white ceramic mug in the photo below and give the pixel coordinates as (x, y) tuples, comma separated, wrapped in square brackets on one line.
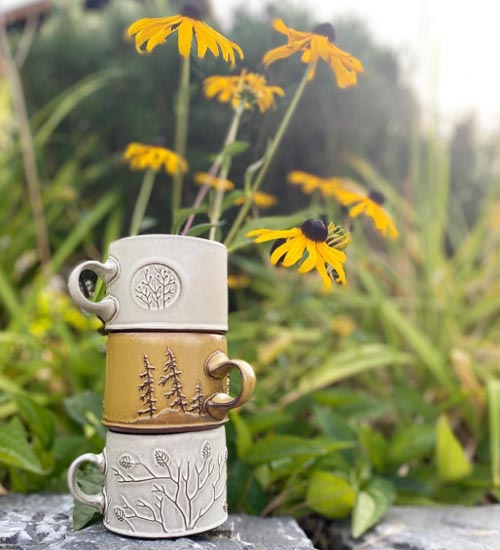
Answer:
[(159, 282), (159, 486)]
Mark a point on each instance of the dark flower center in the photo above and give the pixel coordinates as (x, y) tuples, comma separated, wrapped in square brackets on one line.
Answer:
[(325, 29), (315, 230), (192, 12), (377, 196)]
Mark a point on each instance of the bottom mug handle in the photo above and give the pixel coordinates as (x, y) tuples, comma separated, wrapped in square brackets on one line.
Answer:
[(97, 500)]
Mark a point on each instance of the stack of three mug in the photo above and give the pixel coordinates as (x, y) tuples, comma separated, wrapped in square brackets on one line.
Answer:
[(167, 385)]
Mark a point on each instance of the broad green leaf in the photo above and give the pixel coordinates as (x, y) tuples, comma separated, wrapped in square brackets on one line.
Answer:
[(91, 481), (411, 442), (375, 446), (15, 449), (371, 505), (452, 462), (243, 435), (38, 419), (330, 495), (276, 447), (494, 421)]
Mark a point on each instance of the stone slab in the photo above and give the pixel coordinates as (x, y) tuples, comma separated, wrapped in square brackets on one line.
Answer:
[(44, 522), (440, 528)]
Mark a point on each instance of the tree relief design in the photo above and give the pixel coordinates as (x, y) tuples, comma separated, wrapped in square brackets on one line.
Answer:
[(189, 488), (174, 396), (155, 286)]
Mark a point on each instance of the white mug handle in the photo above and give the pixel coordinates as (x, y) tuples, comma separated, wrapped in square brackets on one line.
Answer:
[(107, 308), (98, 500)]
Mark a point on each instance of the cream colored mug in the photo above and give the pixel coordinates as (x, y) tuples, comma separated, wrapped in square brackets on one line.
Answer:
[(159, 282), (159, 486)]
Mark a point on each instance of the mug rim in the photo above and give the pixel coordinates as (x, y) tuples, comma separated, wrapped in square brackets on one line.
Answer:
[(168, 236)]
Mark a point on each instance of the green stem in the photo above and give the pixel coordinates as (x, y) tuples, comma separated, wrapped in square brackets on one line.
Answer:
[(269, 155), (181, 132), (219, 194), (142, 201)]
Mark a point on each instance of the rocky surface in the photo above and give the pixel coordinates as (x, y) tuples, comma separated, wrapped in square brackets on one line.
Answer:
[(44, 522), (414, 528)]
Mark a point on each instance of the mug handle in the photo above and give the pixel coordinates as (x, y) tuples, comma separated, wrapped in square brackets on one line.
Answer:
[(218, 366), (98, 500), (107, 308)]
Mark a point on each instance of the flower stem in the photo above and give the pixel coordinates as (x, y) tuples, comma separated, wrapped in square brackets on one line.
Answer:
[(219, 193), (181, 132), (269, 155), (214, 169), (142, 202)]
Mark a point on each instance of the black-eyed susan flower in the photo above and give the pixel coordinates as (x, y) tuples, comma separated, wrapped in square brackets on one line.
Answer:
[(310, 183), (369, 205), (251, 88), (259, 199), (315, 46), (204, 178), (307, 246), (141, 157), (154, 31)]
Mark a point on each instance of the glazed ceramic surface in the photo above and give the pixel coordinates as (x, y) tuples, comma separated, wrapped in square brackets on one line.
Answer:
[(166, 382), (159, 282), (159, 486)]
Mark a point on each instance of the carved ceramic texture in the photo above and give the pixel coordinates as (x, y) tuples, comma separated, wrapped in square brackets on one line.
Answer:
[(156, 382), (155, 286), (168, 490), (171, 379)]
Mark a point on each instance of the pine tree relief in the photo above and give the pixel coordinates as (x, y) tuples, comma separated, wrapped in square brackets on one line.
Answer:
[(195, 404), (146, 389), (172, 377)]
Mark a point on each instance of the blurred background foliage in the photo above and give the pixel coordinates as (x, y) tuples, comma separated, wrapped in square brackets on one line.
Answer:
[(384, 391)]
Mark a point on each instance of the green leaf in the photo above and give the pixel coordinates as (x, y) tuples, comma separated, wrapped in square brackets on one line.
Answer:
[(86, 409), (243, 435), (91, 482), (276, 447), (411, 442), (375, 446), (494, 422), (38, 419), (183, 214), (330, 495), (371, 505), (15, 449), (235, 148), (452, 462)]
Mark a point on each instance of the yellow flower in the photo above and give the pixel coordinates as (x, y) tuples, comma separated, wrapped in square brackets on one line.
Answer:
[(371, 206), (315, 46), (311, 237), (141, 157), (260, 199), (310, 183), (248, 87), (204, 178), (239, 281), (154, 31)]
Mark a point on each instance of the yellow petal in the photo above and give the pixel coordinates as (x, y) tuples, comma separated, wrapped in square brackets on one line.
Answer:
[(185, 31), (297, 247), (280, 251), (311, 260)]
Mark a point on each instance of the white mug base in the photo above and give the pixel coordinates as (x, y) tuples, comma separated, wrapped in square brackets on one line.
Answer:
[(138, 533)]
